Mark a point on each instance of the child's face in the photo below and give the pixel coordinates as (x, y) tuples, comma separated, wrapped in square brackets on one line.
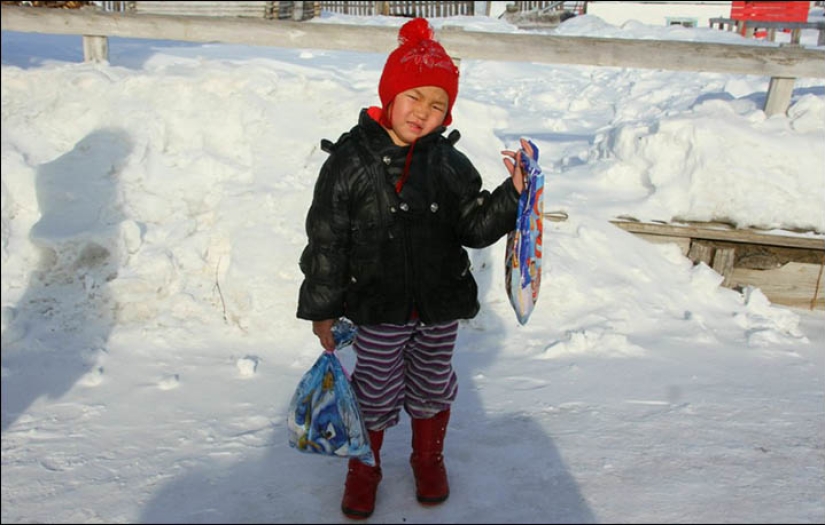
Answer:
[(417, 112)]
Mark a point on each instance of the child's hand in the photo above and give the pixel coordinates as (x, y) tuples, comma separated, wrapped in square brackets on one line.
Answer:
[(513, 164), (323, 329)]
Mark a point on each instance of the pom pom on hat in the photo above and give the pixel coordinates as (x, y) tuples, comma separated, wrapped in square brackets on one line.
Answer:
[(418, 61), (415, 31)]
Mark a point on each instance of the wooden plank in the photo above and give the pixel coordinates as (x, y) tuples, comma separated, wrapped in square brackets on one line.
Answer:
[(723, 259), (657, 54), (701, 252), (798, 285), (682, 242), (204, 8), (796, 62), (731, 234)]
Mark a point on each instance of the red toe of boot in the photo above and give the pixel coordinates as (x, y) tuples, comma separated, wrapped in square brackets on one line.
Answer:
[(362, 482), (427, 461)]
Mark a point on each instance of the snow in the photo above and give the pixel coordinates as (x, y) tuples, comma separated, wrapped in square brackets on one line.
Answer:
[(152, 220)]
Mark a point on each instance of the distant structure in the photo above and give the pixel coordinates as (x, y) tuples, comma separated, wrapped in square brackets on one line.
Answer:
[(688, 14), (300, 10), (751, 18), (765, 19), (540, 15)]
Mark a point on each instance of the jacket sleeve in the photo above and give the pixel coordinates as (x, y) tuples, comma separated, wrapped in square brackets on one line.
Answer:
[(484, 217), (324, 261)]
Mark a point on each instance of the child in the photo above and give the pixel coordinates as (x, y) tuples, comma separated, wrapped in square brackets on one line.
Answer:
[(393, 208)]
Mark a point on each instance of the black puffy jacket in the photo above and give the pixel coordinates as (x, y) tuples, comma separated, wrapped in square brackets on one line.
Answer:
[(376, 256)]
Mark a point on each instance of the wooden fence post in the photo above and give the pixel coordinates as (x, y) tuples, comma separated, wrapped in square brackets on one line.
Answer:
[(780, 90), (95, 48)]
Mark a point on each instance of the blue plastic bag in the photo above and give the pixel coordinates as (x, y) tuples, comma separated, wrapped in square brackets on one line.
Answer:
[(324, 416), (343, 332), (523, 251)]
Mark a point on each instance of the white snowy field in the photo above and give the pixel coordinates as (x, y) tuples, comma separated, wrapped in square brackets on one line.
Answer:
[(152, 220)]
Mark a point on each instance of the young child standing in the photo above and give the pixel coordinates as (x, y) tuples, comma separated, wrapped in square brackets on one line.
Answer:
[(393, 209)]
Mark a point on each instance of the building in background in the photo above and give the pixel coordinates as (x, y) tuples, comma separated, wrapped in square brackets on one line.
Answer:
[(661, 13), (688, 14)]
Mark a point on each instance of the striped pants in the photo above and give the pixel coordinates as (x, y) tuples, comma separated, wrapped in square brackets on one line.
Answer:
[(407, 366)]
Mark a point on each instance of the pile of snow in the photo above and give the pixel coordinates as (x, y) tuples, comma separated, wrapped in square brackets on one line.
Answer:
[(152, 221)]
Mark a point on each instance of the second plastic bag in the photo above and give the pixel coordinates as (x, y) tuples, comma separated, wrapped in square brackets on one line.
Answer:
[(324, 417)]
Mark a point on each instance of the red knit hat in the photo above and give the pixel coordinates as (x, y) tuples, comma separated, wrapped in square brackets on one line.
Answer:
[(418, 61)]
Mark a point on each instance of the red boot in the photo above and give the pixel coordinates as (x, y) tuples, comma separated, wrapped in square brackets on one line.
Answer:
[(427, 460), (362, 482)]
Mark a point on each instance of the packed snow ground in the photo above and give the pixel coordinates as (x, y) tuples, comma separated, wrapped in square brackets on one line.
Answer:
[(152, 220)]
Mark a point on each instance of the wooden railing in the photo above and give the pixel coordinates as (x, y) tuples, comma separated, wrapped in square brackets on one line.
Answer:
[(541, 5), (354, 7), (782, 64), (429, 9)]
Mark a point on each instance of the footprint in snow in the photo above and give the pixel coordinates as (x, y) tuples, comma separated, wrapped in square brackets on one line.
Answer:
[(169, 382), (92, 378), (247, 366)]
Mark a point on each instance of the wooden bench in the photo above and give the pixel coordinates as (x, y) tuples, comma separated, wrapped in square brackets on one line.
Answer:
[(787, 268), (748, 28)]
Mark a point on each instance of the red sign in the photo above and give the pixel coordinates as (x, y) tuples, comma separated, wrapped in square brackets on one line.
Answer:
[(770, 11)]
